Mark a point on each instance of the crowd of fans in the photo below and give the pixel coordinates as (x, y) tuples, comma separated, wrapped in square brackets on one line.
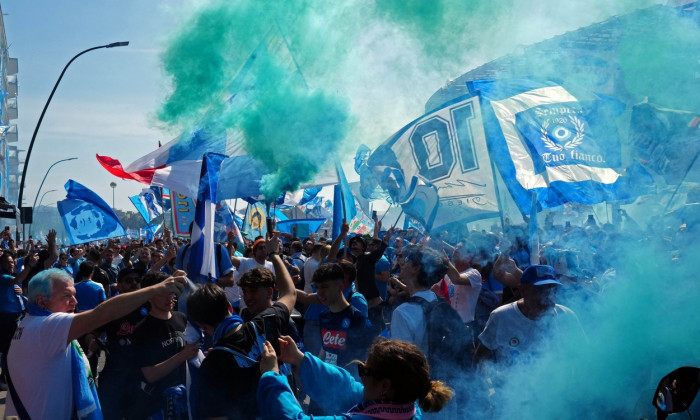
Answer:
[(365, 327)]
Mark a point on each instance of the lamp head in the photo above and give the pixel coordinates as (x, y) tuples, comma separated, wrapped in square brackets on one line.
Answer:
[(117, 44)]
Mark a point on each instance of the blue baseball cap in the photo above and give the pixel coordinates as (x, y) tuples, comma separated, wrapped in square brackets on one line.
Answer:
[(539, 275)]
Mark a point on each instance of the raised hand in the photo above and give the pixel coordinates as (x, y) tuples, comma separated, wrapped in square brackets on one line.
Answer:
[(268, 361), (289, 352), (273, 244)]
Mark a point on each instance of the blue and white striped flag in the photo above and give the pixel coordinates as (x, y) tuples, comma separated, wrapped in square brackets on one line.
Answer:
[(548, 142), (203, 250)]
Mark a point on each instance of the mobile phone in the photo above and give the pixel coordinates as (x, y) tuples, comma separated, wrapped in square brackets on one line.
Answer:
[(270, 328), (374, 214), (270, 226)]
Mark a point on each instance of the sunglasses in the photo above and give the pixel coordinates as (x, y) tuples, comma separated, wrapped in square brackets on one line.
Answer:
[(131, 279), (365, 371)]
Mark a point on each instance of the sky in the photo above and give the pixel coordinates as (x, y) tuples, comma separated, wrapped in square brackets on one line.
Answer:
[(107, 102)]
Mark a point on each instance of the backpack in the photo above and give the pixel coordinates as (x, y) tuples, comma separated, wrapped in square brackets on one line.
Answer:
[(488, 301), (449, 340)]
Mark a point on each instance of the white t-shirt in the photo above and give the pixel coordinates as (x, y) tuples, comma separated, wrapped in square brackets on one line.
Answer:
[(463, 298), (310, 267), (248, 263), (408, 321), (510, 334), (39, 362)]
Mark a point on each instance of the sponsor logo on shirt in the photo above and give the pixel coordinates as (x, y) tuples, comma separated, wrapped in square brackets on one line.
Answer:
[(334, 339), (126, 329), (173, 340)]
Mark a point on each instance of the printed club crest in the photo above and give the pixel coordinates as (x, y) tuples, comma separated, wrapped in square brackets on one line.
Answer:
[(564, 137)]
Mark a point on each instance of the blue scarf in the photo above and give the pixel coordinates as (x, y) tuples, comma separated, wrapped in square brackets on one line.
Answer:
[(226, 326), (86, 403)]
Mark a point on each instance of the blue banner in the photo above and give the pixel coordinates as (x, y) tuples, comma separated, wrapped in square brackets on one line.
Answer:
[(254, 224), (305, 227), (183, 213), (545, 141), (86, 216)]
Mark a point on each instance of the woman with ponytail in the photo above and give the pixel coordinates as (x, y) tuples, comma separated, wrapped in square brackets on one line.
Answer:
[(395, 384)]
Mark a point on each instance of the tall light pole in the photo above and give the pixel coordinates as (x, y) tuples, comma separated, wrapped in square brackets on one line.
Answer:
[(113, 185), (44, 195), (41, 117), (41, 185), (42, 199)]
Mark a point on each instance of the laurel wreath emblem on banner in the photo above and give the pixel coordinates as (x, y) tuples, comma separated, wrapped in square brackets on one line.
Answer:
[(571, 144)]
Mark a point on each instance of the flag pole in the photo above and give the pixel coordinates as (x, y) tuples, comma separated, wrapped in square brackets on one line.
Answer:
[(670, 200), (342, 205), (397, 219), (268, 220), (498, 195), (534, 234), (387, 211)]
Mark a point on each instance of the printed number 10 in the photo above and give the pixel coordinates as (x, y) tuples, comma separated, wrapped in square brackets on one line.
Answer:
[(440, 165)]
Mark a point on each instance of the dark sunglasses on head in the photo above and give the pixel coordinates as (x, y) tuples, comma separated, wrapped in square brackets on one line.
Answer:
[(365, 371)]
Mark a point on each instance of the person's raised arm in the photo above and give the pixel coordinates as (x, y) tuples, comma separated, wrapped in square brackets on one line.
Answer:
[(235, 261), (307, 298), (231, 244), (30, 246), (172, 253), (455, 275), (167, 236), (53, 252), (29, 262), (123, 304), (283, 281), (344, 229), (376, 255), (506, 272), (377, 227)]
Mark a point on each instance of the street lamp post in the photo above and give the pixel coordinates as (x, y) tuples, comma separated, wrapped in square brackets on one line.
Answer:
[(113, 185), (42, 199), (44, 195), (42, 184), (41, 117)]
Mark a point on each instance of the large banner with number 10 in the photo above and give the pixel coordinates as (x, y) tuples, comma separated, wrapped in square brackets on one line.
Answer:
[(437, 167)]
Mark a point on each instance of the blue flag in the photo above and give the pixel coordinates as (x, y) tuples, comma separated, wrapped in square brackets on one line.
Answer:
[(305, 227), (152, 198), (224, 222), (344, 201), (545, 141), (86, 216), (202, 267), (140, 207)]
